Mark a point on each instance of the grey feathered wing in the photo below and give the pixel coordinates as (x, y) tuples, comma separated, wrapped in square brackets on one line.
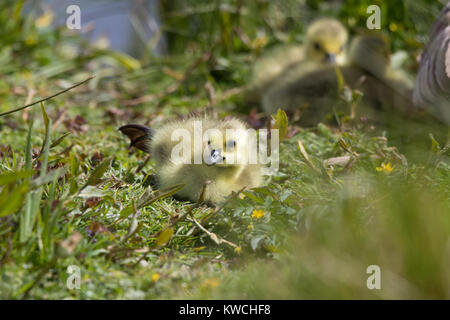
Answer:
[(432, 88)]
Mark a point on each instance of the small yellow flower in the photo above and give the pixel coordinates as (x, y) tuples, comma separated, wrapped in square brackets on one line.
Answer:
[(393, 27), (257, 214), (387, 168), (241, 196), (259, 43), (211, 283), (155, 277), (238, 250), (31, 39), (45, 19)]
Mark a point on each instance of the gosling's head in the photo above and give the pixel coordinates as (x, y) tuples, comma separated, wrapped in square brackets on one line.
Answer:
[(370, 52), (325, 42), (226, 146)]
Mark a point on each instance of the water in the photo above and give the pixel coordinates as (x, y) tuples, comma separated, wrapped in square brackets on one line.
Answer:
[(131, 26)]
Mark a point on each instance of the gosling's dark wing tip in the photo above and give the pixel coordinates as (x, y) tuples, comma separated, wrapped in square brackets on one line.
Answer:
[(133, 127), (139, 136)]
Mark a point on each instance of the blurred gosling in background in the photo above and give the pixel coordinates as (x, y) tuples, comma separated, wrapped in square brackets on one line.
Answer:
[(315, 95), (324, 45)]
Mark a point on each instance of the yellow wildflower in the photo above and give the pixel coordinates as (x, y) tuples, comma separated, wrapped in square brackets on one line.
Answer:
[(257, 214), (238, 250), (155, 277), (387, 168), (393, 27), (259, 43), (211, 283), (45, 19)]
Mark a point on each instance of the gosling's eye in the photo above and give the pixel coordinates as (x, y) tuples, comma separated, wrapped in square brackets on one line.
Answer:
[(231, 144), (209, 142), (317, 46)]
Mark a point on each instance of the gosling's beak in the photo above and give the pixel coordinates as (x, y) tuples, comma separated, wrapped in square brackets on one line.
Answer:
[(215, 157), (331, 58)]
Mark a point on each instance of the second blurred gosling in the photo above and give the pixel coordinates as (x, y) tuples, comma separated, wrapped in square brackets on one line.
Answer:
[(316, 93), (324, 45)]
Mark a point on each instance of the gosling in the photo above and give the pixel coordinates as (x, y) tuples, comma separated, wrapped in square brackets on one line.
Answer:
[(324, 45), (315, 94), (208, 156)]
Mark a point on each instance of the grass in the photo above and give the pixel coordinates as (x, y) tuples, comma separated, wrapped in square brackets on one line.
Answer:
[(73, 194)]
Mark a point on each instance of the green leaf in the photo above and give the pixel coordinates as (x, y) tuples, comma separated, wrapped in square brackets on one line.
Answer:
[(45, 115), (281, 123), (164, 237), (28, 149), (46, 124), (59, 140), (255, 241), (340, 79), (253, 197), (125, 212), (33, 199), (73, 187), (13, 201), (24, 218), (47, 226), (127, 61), (98, 173), (18, 9), (165, 193), (14, 176), (435, 147), (41, 180), (73, 164)]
